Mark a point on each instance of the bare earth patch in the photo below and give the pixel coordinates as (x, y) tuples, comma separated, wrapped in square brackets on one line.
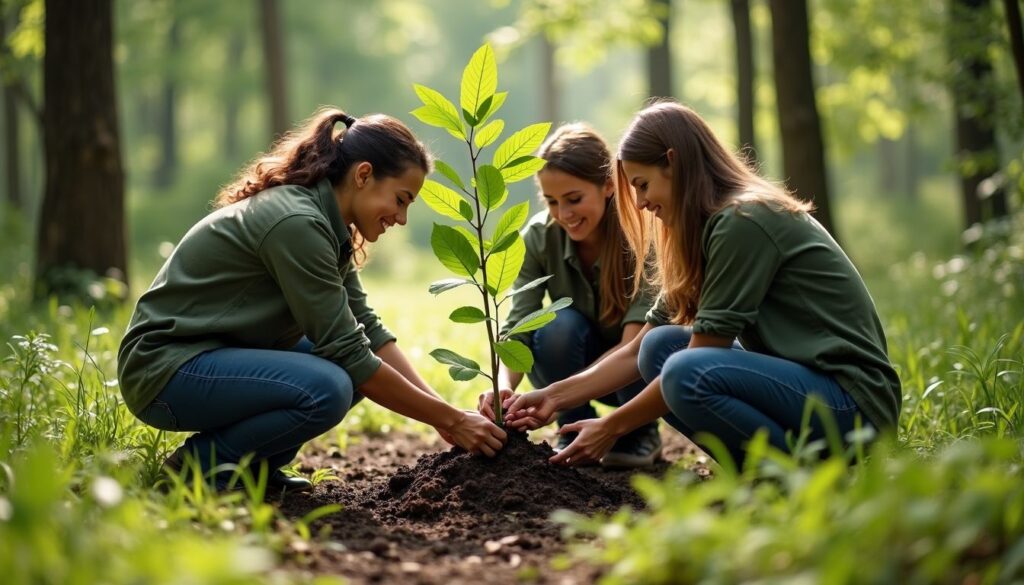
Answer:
[(416, 511)]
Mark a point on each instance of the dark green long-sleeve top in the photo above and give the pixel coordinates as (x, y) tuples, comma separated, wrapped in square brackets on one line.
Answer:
[(259, 273), (779, 282), (550, 251)]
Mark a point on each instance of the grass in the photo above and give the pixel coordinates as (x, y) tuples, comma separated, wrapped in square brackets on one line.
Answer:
[(941, 502)]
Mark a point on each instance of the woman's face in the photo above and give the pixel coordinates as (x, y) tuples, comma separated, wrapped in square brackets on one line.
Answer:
[(576, 204), (652, 186), (381, 203)]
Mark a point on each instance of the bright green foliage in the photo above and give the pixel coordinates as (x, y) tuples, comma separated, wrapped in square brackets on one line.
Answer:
[(491, 264)]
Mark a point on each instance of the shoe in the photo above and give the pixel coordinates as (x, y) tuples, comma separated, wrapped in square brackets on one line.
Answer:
[(639, 448), (279, 482)]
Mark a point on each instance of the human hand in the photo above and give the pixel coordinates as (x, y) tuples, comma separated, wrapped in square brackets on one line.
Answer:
[(476, 434), (593, 442), (485, 402), (530, 410)]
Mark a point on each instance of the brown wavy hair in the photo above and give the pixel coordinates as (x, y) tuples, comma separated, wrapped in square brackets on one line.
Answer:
[(316, 150), (577, 150), (706, 177)]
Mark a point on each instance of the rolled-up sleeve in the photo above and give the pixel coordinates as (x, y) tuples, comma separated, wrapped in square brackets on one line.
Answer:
[(741, 260), (373, 328), (300, 253)]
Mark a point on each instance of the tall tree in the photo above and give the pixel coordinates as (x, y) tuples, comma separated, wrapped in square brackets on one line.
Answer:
[(977, 152), (659, 55), (167, 121), (803, 149), (274, 56), (744, 76), (232, 101), (11, 134), (550, 89), (81, 223), (1016, 30)]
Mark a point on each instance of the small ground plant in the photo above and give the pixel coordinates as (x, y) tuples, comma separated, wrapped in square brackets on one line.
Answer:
[(491, 262)]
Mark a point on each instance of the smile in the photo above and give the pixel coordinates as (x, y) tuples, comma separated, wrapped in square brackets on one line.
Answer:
[(574, 224)]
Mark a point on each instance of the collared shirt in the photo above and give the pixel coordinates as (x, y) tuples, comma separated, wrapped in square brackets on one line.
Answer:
[(260, 273), (779, 283), (550, 250)]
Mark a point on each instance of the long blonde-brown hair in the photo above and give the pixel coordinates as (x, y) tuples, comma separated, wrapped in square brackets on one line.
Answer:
[(315, 150), (577, 150), (706, 177)]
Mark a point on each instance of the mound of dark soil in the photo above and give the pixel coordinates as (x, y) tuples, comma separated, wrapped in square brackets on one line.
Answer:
[(518, 480)]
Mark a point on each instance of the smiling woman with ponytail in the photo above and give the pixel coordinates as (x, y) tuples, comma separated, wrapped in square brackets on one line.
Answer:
[(256, 333)]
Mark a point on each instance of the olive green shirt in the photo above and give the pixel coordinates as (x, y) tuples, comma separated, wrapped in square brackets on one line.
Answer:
[(779, 283), (550, 251), (260, 273)]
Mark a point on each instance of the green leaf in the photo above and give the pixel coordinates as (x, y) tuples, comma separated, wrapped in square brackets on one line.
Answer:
[(485, 106), (439, 286), (531, 322), (505, 242), (442, 199), (496, 103), (490, 186), (470, 236), (467, 315), (469, 118), (461, 374), (521, 143), (466, 210), (449, 357), (530, 285), (489, 133), (445, 108), (446, 170), (479, 79), (502, 268), (515, 355), (512, 220), (452, 249), (522, 170)]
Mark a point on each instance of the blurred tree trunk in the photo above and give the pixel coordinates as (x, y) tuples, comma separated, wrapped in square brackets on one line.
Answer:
[(550, 90), (236, 46), (1013, 22), (803, 149), (12, 137), (977, 153), (167, 121), (744, 77), (81, 222), (659, 57), (888, 166), (273, 52), (910, 152)]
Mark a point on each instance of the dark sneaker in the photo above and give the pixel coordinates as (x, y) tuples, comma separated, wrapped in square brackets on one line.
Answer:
[(280, 482), (639, 448)]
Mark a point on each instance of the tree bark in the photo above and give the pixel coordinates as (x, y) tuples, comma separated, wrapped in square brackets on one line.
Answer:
[(977, 152), (81, 222), (803, 148), (550, 90), (236, 46), (12, 136), (167, 121), (273, 52), (1016, 30), (659, 58), (744, 77)]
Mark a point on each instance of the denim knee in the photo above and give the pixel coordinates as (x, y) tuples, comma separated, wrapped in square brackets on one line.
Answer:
[(659, 344), (330, 396), (568, 330), (679, 379)]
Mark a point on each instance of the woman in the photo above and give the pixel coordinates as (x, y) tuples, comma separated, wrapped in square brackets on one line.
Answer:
[(737, 257), (257, 334), (577, 241)]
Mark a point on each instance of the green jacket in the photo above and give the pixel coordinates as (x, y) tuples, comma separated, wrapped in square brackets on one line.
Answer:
[(261, 273), (550, 250), (779, 283)]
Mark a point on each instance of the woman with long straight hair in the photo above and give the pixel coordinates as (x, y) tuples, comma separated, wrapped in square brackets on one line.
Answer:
[(737, 259), (578, 242), (256, 333)]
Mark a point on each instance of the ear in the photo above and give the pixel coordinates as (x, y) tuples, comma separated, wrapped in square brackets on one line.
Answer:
[(609, 189), (671, 154), (667, 170), (362, 173)]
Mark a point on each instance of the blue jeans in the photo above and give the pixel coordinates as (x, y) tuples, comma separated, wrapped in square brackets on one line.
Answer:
[(259, 401), (731, 393), (565, 347)]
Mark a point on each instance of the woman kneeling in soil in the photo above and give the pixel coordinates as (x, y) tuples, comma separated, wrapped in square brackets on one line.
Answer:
[(578, 242), (257, 333), (737, 257)]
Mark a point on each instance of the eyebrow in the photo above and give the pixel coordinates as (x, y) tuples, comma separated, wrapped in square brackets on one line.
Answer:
[(573, 192)]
